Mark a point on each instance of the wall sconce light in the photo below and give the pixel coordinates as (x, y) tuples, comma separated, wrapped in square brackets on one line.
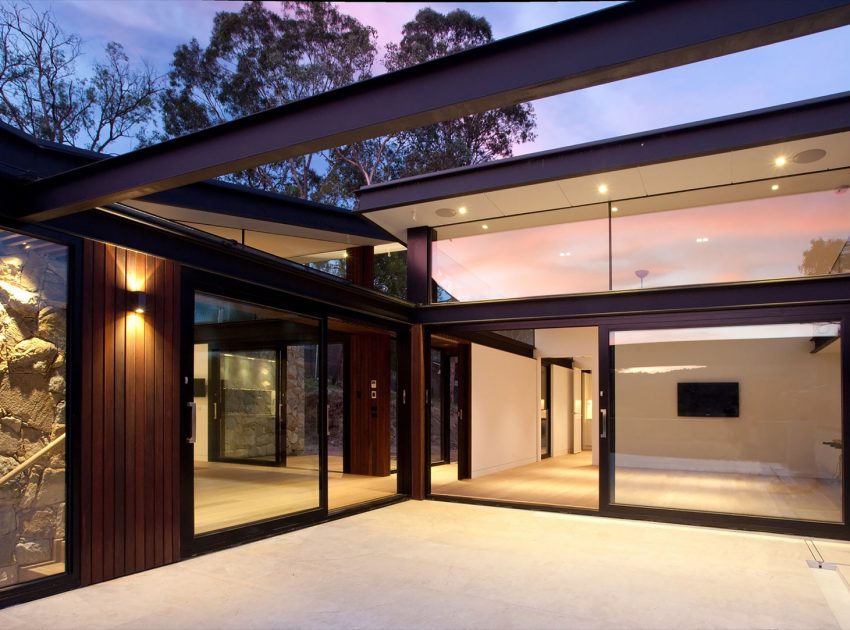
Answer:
[(136, 301)]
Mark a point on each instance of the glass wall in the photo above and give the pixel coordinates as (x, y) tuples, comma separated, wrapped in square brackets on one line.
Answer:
[(33, 352), (547, 253), (736, 420), (787, 227), (256, 391)]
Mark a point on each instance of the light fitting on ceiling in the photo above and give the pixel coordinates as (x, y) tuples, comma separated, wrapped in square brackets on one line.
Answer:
[(445, 212), (485, 227), (602, 189), (565, 254), (615, 209), (702, 239), (462, 210), (808, 156), (780, 161), (775, 187)]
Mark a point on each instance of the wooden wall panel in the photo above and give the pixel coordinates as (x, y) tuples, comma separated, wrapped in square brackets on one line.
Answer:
[(369, 426), (130, 417)]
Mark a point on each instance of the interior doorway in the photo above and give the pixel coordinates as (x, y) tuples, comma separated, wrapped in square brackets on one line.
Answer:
[(530, 418)]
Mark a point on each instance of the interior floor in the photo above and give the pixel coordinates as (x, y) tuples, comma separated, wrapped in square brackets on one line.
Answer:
[(573, 481), (235, 494), (567, 480)]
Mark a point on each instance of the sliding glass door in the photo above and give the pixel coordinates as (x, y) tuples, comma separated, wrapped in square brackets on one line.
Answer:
[(743, 419), (256, 403)]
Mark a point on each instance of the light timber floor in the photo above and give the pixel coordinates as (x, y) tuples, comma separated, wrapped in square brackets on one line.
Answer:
[(573, 481), (235, 494)]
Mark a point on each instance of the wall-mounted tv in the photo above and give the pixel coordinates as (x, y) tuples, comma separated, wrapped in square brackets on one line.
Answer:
[(708, 400)]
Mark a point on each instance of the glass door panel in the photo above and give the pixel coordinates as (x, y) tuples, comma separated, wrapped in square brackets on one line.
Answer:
[(436, 408), (248, 424), (256, 399), (735, 419)]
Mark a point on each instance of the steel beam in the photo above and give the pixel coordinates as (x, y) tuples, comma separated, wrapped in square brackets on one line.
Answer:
[(624, 41)]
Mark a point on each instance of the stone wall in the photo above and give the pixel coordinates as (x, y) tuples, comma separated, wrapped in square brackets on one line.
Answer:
[(33, 298), (295, 400)]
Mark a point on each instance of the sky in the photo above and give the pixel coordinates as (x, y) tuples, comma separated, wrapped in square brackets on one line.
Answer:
[(786, 72)]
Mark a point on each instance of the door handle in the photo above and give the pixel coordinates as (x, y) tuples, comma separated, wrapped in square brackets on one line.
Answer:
[(603, 416), (194, 422), (215, 410)]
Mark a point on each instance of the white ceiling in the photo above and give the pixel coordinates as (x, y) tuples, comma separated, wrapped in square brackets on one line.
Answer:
[(747, 165)]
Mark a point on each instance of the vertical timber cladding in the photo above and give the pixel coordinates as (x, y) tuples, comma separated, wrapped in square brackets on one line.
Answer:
[(130, 414)]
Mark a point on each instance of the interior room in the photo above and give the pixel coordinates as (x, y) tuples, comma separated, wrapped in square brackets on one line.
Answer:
[(736, 419)]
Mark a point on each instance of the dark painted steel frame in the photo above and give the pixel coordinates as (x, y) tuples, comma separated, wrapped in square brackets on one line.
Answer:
[(70, 578), (525, 67)]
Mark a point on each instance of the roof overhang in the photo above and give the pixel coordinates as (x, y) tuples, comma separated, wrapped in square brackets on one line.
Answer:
[(718, 152), (616, 43)]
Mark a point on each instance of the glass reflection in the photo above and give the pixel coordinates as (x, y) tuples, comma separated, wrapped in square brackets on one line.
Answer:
[(256, 391)]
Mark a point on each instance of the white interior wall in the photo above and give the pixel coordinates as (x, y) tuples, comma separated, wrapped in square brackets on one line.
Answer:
[(561, 412), (790, 403), (582, 344), (505, 416), (201, 370)]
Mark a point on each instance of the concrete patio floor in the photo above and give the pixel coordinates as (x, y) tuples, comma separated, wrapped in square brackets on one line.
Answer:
[(442, 565)]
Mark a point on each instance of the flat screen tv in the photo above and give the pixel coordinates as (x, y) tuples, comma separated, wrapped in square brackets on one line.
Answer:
[(708, 400)]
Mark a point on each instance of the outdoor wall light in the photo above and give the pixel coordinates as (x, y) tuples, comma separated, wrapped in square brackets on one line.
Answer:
[(136, 301)]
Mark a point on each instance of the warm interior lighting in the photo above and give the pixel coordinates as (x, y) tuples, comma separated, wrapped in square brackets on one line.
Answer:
[(775, 187), (602, 189), (136, 301), (462, 210), (615, 209), (702, 239), (565, 254), (485, 227), (780, 161)]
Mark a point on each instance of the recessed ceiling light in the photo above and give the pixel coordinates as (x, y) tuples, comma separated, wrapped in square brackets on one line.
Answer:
[(445, 212), (780, 161), (702, 239), (808, 156), (775, 187), (565, 254), (462, 210), (485, 227), (614, 209), (602, 189)]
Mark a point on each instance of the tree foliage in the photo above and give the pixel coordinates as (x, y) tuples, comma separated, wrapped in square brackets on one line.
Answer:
[(825, 256), (42, 93), (257, 59)]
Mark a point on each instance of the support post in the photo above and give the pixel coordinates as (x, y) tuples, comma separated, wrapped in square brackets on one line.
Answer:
[(360, 266), (419, 241)]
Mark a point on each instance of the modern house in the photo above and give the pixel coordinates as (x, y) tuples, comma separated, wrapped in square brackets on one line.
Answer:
[(650, 327)]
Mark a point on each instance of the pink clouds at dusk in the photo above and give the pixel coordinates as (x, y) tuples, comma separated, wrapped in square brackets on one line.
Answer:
[(747, 240)]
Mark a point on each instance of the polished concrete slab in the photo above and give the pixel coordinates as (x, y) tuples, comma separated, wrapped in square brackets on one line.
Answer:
[(443, 565)]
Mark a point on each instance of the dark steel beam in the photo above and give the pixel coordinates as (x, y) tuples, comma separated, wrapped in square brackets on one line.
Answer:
[(775, 124), (237, 201), (27, 158), (624, 41), (583, 309)]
